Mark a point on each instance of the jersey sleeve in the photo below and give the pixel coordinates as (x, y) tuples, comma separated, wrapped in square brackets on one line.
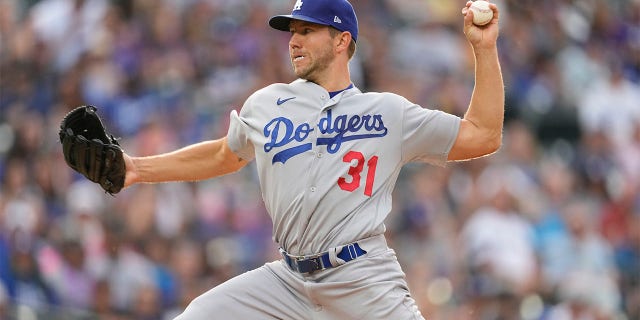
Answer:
[(238, 135), (428, 135)]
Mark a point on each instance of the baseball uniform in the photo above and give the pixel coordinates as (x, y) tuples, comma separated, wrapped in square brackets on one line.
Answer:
[(327, 165)]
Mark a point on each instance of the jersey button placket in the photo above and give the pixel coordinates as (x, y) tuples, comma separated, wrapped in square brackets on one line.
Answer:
[(312, 173)]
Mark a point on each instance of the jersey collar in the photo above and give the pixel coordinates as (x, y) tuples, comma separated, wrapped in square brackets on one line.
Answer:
[(335, 93)]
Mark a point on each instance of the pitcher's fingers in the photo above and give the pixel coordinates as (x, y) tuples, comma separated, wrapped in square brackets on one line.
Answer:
[(465, 9), (495, 10)]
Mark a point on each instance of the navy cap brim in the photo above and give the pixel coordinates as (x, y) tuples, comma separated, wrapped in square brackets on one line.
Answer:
[(282, 22)]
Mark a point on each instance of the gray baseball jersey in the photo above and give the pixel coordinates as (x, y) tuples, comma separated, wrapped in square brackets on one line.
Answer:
[(328, 165)]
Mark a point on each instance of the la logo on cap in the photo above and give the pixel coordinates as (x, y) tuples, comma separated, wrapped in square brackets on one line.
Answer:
[(298, 5)]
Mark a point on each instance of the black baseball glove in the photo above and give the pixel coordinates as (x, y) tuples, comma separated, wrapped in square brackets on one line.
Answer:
[(90, 150)]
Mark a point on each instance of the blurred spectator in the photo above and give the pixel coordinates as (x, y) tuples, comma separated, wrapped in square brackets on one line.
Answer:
[(426, 236), (627, 157), (158, 249), (558, 184), (66, 274), (126, 269), (497, 242), (187, 261), (595, 163), (102, 305), (610, 106), (27, 288), (628, 262), (589, 264), (146, 304), (22, 207), (68, 27)]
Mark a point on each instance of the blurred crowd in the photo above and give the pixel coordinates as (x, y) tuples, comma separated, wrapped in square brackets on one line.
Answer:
[(547, 228)]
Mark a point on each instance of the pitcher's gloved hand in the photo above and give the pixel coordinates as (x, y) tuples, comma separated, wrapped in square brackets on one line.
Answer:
[(90, 150)]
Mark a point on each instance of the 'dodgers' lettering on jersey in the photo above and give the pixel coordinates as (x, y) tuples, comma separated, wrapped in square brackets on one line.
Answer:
[(282, 132)]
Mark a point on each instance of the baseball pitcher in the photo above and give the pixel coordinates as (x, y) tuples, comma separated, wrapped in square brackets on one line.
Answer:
[(328, 156)]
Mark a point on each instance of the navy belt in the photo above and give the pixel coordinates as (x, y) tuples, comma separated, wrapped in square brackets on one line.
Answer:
[(321, 261)]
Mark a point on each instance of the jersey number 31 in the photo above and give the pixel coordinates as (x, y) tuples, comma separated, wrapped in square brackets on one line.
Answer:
[(356, 169)]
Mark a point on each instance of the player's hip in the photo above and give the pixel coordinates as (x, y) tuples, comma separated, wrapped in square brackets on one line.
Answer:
[(370, 287)]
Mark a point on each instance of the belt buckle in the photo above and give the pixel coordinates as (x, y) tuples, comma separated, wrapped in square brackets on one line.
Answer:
[(315, 262), (309, 265), (306, 264)]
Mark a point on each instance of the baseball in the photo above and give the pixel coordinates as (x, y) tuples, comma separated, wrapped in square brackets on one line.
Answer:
[(482, 14)]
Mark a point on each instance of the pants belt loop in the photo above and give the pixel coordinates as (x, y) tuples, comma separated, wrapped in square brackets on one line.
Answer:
[(352, 251), (333, 257)]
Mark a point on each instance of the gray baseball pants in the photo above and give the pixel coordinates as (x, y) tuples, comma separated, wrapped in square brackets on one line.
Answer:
[(370, 287)]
